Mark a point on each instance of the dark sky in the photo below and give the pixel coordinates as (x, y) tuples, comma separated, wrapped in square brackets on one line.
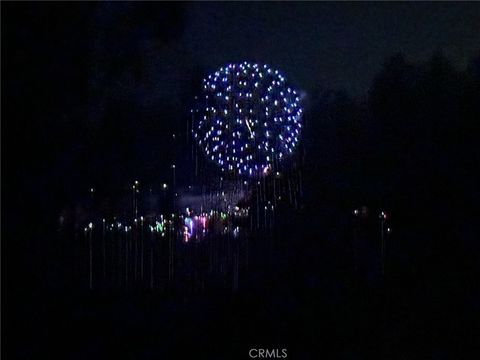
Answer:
[(317, 45), (107, 83), (335, 44)]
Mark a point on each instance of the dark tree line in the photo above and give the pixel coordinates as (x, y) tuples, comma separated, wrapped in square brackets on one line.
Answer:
[(411, 144), (410, 147)]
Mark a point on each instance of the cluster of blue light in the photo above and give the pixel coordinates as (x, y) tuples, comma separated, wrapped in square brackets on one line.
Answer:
[(247, 118)]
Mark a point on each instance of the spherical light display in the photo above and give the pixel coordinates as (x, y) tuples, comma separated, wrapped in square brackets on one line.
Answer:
[(247, 118)]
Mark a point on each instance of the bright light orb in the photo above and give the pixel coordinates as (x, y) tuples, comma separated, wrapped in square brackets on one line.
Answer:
[(247, 118)]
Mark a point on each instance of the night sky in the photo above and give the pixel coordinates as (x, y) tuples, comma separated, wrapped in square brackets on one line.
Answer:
[(323, 45), (84, 77), (92, 93), (330, 45)]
